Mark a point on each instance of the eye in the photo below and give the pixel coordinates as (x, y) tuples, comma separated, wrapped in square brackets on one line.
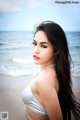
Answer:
[(34, 43), (43, 46)]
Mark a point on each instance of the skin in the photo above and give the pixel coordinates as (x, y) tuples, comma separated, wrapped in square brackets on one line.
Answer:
[(45, 85)]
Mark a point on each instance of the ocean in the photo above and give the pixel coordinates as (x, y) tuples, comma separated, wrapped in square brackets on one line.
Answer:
[(16, 53)]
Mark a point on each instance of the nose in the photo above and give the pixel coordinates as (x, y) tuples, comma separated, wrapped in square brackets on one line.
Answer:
[(37, 50)]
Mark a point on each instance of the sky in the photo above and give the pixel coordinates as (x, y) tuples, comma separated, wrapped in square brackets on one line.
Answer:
[(23, 15)]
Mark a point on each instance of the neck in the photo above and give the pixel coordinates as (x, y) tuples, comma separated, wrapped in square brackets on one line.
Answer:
[(44, 68), (51, 65)]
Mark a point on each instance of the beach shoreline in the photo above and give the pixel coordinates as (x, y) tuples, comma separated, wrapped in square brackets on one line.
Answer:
[(11, 88)]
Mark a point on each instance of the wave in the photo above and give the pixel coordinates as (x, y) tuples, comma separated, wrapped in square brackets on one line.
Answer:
[(18, 71), (1, 44), (13, 48), (22, 60), (75, 46), (32, 72)]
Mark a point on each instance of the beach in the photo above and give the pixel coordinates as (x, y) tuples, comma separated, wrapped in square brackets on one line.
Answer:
[(11, 95), (17, 69), (11, 88)]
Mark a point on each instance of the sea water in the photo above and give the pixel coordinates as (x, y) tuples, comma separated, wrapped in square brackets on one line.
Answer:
[(16, 53)]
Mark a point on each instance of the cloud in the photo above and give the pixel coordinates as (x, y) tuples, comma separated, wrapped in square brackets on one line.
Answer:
[(19, 5), (37, 3), (9, 5)]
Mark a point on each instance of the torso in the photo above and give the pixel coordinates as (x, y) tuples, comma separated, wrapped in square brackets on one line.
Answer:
[(35, 116), (33, 86)]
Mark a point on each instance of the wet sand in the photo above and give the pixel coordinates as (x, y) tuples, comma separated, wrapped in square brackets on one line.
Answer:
[(11, 94)]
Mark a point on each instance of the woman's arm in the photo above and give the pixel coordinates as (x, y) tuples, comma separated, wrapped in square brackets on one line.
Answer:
[(49, 98)]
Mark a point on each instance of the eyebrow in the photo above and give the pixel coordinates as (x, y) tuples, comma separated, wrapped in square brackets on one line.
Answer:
[(42, 42)]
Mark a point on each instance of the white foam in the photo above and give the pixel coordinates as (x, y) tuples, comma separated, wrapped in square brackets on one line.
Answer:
[(22, 60), (19, 72)]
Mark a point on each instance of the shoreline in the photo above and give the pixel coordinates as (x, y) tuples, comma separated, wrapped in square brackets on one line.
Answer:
[(8, 82), (11, 88)]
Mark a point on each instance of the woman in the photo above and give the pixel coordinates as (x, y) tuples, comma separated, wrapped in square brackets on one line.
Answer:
[(49, 96)]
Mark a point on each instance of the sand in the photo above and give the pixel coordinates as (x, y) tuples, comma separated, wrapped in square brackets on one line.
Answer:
[(11, 95)]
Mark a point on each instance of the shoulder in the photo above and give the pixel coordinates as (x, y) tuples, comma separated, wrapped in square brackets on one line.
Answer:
[(47, 79)]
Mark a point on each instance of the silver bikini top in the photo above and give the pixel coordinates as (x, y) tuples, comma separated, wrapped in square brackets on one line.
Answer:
[(30, 101)]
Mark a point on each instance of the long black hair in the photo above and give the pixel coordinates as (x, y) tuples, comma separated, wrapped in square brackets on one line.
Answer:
[(57, 38)]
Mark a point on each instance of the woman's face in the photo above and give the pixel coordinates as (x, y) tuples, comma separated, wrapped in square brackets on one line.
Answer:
[(42, 49)]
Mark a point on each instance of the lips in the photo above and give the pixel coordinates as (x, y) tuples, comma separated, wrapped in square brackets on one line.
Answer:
[(36, 57)]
